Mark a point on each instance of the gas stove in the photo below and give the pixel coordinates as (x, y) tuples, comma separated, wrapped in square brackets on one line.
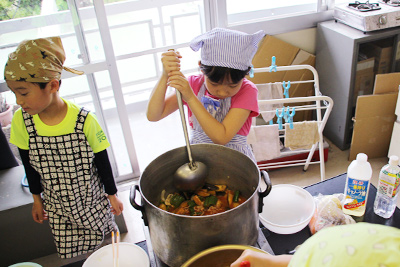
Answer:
[(369, 16)]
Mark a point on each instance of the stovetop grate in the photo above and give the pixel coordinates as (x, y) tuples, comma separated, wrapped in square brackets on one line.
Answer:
[(364, 7), (391, 2)]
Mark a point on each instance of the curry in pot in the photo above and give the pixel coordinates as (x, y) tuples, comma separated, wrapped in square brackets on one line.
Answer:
[(209, 200)]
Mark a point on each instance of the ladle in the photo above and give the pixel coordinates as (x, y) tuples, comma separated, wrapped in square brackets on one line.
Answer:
[(192, 175)]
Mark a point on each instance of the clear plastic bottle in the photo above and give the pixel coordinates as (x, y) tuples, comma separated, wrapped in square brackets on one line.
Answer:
[(356, 191), (388, 188)]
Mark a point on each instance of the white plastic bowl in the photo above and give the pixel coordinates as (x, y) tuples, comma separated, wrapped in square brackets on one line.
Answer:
[(25, 264), (130, 255), (287, 209)]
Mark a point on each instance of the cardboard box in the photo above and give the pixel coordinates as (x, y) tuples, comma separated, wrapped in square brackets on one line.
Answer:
[(285, 55), (382, 52), (364, 82), (394, 148), (375, 117)]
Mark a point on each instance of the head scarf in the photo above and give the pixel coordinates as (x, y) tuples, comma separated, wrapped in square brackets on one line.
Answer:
[(39, 60), (227, 48)]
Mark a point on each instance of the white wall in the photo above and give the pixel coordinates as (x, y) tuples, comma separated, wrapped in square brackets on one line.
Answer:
[(304, 39)]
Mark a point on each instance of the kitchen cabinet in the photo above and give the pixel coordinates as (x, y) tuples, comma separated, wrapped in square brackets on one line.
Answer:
[(337, 54)]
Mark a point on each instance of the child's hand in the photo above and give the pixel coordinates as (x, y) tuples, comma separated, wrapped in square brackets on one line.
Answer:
[(178, 81), (260, 259), (255, 259), (116, 204), (171, 61), (38, 213)]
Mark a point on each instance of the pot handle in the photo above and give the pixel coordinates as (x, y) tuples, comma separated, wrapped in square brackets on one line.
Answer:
[(261, 195), (132, 197)]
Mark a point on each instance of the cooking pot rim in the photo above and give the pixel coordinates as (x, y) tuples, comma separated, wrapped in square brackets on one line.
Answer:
[(194, 146), (202, 216)]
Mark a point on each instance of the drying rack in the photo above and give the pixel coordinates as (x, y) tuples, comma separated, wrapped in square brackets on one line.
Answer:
[(318, 103)]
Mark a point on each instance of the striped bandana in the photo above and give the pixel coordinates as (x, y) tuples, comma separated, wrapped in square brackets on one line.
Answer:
[(227, 48), (39, 60)]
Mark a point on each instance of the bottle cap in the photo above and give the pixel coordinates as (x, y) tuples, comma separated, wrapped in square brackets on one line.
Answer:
[(361, 157), (394, 160)]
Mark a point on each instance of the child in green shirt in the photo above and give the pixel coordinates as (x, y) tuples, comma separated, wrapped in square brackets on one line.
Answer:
[(63, 150)]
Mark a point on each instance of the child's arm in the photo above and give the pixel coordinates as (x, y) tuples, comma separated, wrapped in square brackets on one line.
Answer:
[(219, 133), (116, 204), (159, 105), (104, 169), (259, 259), (38, 212), (32, 175)]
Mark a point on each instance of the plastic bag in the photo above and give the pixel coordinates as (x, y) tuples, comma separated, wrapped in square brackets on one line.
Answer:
[(329, 212)]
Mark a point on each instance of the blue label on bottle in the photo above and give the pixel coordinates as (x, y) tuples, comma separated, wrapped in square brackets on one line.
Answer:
[(356, 193)]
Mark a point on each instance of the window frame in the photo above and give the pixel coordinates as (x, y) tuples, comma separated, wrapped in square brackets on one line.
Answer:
[(274, 25), (218, 18)]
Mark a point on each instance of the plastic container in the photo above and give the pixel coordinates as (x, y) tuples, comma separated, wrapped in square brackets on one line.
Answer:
[(388, 188), (287, 209), (356, 190), (6, 116), (25, 264)]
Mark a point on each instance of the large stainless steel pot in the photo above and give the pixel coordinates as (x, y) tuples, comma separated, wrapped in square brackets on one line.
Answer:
[(176, 238)]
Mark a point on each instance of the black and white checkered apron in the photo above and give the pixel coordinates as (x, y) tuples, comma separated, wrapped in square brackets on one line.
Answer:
[(73, 196)]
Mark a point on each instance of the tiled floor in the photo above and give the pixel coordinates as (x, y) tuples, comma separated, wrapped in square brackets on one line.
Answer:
[(337, 164)]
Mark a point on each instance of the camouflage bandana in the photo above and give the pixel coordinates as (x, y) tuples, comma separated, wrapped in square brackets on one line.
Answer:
[(39, 60)]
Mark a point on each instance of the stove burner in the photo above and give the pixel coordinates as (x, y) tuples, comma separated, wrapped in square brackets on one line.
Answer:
[(390, 2), (363, 7)]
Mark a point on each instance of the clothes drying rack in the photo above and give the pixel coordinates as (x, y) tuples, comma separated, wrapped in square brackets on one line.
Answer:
[(318, 103)]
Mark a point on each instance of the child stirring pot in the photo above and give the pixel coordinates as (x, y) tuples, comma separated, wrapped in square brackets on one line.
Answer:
[(63, 150), (221, 101)]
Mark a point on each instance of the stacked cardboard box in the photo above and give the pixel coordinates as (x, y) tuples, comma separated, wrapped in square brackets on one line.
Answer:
[(382, 52), (364, 82), (285, 54), (375, 117)]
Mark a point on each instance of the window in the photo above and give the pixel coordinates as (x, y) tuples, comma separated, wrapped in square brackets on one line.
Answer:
[(122, 68), (120, 71), (275, 17), (264, 9)]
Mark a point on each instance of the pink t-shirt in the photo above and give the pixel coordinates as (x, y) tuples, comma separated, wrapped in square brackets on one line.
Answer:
[(246, 98)]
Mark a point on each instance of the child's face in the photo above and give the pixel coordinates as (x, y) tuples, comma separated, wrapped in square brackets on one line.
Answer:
[(30, 96), (224, 89)]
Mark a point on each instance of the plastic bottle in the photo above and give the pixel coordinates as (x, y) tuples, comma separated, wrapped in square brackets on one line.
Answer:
[(388, 188), (356, 191)]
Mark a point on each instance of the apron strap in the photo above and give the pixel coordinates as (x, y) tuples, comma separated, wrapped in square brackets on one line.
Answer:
[(80, 121), (30, 126)]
